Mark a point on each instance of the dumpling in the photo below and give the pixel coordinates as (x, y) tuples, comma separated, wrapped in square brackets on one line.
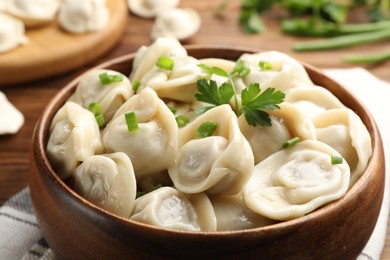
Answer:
[(84, 16), (109, 96), (169, 208), (181, 23), (313, 100), (178, 84), (108, 181), (286, 72), (220, 163), (344, 131), (233, 214), (11, 33), (11, 119), (74, 136), (296, 121), (33, 12), (151, 148), (150, 8), (296, 181), (264, 140), (147, 56)]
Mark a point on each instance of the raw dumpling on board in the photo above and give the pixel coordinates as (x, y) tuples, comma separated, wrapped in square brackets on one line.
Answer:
[(84, 16), (12, 33), (181, 23), (33, 12)]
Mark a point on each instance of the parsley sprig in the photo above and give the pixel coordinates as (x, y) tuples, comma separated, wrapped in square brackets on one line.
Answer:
[(254, 102)]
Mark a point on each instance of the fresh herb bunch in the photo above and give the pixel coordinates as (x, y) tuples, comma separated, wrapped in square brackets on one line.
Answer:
[(323, 18), (254, 102)]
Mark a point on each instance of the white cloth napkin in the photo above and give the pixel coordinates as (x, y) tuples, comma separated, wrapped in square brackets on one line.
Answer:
[(20, 237)]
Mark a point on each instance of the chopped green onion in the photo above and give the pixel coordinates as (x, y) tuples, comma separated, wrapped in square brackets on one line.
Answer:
[(95, 108), (131, 121), (100, 120), (182, 121), (105, 78), (206, 129), (241, 69), (173, 109), (290, 142), (335, 159), (135, 85), (97, 112), (265, 65), (165, 63)]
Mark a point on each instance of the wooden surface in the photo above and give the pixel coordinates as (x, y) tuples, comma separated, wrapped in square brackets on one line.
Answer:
[(51, 50), (32, 98)]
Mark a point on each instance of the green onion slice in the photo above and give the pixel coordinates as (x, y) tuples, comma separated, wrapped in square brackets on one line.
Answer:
[(165, 63), (173, 109), (135, 85), (182, 121), (336, 159), (95, 108), (105, 78), (131, 121), (290, 142), (206, 129), (100, 120), (265, 65)]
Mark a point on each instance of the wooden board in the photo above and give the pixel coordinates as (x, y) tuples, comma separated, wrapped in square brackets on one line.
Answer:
[(52, 51)]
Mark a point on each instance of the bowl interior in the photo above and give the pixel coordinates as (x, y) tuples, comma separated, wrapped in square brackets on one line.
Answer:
[(123, 64)]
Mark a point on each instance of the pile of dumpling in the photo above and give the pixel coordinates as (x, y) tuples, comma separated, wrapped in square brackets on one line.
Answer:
[(74, 16), (159, 171)]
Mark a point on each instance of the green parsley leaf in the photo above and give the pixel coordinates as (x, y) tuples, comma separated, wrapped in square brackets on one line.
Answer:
[(335, 159), (290, 142), (206, 129), (254, 102), (213, 70), (106, 79), (210, 93), (165, 63), (182, 121), (136, 85), (131, 121), (265, 65)]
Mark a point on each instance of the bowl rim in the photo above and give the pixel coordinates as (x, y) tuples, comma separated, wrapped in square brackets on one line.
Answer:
[(43, 125)]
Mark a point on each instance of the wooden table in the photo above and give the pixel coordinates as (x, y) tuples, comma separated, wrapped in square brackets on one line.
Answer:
[(32, 98)]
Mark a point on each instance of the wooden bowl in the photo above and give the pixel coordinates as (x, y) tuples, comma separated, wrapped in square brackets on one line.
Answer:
[(74, 227)]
